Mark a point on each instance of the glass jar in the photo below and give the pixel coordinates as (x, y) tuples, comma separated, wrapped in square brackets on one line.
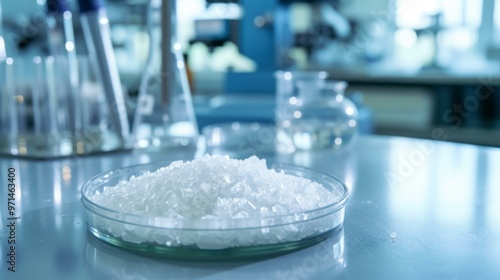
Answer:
[(316, 115)]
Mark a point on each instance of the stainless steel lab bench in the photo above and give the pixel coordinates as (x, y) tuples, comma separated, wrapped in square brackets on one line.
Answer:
[(417, 210)]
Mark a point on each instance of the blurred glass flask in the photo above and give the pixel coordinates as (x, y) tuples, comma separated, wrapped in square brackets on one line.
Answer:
[(313, 113), (164, 116)]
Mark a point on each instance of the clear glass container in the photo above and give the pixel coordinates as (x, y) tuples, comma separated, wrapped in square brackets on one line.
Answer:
[(314, 114), (287, 101), (164, 116), (222, 239), (43, 114)]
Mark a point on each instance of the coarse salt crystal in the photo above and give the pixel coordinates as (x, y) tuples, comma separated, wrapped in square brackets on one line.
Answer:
[(221, 190)]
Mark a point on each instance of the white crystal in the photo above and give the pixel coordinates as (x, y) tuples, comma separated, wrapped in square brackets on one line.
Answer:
[(187, 192), (279, 210), (218, 193)]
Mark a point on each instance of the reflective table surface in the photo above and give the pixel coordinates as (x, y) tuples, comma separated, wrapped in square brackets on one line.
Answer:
[(418, 209)]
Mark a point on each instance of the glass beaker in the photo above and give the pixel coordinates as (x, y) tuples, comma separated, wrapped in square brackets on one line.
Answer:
[(288, 100), (164, 116), (43, 114)]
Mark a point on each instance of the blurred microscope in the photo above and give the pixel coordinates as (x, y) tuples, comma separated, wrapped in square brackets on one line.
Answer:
[(273, 35)]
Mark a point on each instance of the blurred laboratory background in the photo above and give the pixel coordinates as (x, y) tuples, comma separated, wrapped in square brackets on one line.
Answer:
[(426, 69)]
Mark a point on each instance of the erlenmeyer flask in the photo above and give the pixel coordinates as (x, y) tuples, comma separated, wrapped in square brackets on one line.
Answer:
[(164, 116)]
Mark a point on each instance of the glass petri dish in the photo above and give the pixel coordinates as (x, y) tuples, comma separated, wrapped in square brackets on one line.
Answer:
[(221, 239)]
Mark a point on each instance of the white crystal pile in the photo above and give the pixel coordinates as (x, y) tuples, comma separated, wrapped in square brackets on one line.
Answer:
[(231, 203)]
